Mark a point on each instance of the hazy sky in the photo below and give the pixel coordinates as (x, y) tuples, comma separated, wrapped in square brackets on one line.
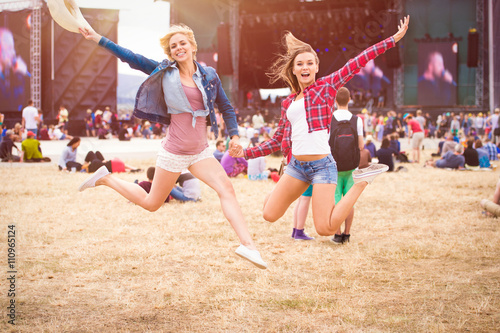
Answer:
[(142, 23)]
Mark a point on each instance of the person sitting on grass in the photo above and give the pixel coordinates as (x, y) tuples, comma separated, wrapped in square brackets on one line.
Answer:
[(32, 150), (68, 156), (482, 153), (123, 134), (491, 149), (450, 160), (234, 165), (370, 146), (6, 148), (95, 160), (189, 189), (146, 184), (471, 156), (220, 148), (385, 154)]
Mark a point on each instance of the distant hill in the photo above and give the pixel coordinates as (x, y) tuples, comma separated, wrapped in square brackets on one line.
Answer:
[(127, 89)]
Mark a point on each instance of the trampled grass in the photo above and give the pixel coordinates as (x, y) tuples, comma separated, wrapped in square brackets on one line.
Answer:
[(422, 258)]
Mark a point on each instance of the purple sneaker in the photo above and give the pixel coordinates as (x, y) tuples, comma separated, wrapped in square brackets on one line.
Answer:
[(293, 233), (301, 235)]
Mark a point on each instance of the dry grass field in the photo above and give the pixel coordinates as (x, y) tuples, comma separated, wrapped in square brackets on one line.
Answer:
[(422, 258)]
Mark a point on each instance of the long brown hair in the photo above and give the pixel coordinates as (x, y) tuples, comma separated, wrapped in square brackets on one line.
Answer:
[(282, 68)]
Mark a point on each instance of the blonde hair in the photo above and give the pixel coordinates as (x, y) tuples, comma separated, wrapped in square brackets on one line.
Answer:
[(178, 29), (282, 69)]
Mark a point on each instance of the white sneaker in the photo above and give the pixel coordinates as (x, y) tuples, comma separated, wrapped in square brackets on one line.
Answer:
[(368, 174), (251, 255), (90, 181)]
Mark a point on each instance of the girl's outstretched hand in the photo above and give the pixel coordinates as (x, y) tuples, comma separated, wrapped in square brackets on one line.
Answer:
[(402, 28), (90, 34)]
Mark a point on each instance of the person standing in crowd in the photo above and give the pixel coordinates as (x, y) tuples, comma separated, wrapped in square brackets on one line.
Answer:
[(495, 126), (480, 124), (89, 123), (347, 157), (349, 128), (300, 215), (63, 116), (257, 121), (454, 125), (421, 120), (487, 125), (416, 135), (303, 134), (98, 120), (186, 110), (30, 118)]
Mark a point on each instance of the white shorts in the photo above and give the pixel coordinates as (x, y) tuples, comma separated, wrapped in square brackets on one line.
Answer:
[(178, 163), (416, 140)]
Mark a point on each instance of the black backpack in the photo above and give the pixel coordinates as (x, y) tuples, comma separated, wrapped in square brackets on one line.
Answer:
[(344, 143)]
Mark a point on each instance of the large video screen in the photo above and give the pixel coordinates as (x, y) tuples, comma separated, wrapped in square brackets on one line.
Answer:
[(14, 60), (372, 86), (437, 73)]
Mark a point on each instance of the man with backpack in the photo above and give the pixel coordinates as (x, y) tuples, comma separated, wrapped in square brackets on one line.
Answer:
[(346, 142)]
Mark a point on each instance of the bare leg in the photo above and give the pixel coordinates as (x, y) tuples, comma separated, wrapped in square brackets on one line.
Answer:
[(163, 183), (287, 190), (130, 167), (496, 196), (211, 173), (327, 216), (348, 222), (300, 212)]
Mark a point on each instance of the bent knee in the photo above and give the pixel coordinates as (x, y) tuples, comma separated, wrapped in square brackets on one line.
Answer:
[(324, 232), (153, 207), (270, 217)]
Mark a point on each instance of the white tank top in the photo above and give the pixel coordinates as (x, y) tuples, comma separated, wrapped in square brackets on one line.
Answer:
[(303, 142)]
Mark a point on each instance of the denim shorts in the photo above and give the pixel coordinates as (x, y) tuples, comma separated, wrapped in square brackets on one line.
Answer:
[(323, 171)]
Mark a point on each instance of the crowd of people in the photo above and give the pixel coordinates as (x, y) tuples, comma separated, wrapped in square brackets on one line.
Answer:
[(330, 158)]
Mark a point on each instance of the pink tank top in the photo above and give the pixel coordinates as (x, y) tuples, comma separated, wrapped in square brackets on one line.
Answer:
[(182, 138)]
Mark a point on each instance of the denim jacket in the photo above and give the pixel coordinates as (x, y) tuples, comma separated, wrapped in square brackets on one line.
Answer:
[(150, 102)]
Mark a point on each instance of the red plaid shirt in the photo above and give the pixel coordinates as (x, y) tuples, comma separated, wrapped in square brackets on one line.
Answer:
[(319, 102)]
